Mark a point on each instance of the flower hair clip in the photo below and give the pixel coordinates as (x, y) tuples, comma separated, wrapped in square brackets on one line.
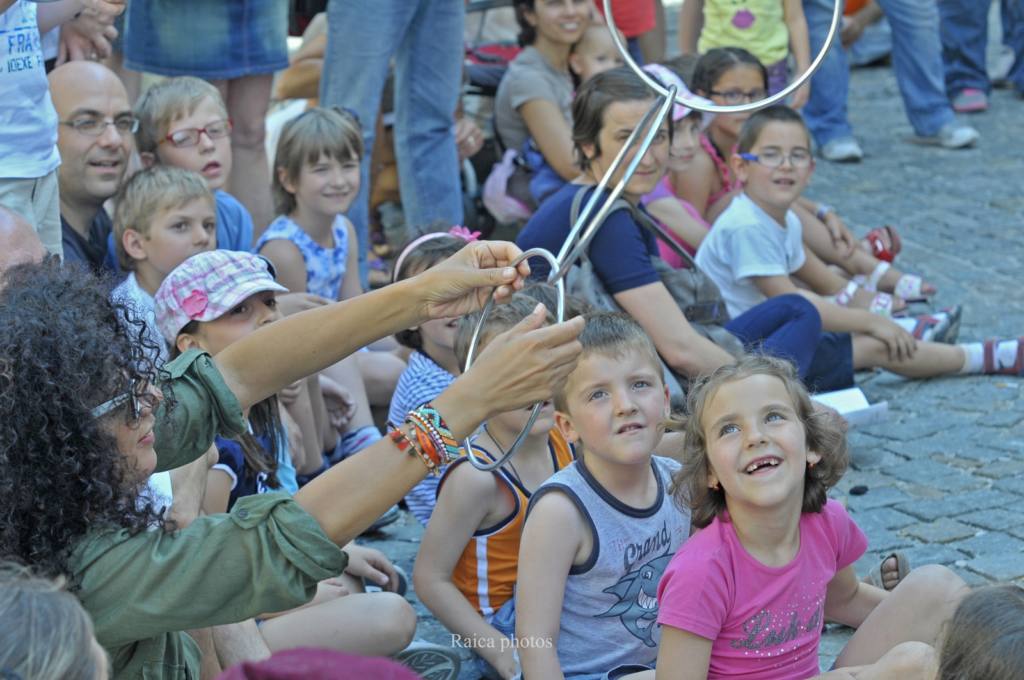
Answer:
[(465, 234)]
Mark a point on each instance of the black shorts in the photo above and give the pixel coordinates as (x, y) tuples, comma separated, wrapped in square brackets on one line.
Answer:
[(832, 365)]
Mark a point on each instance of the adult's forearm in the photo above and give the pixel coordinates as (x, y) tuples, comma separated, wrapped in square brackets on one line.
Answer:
[(302, 344)]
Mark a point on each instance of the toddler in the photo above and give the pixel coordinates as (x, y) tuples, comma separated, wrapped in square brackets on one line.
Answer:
[(183, 123), (600, 532), (594, 53)]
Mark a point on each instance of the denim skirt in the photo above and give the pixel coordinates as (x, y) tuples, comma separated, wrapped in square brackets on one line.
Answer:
[(211, 39)]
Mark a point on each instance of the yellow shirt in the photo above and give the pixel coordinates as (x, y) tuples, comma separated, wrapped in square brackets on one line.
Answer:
[(757, 26)]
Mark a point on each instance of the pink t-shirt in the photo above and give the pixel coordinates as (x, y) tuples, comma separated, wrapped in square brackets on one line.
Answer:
[(664, 190), (765, 621)]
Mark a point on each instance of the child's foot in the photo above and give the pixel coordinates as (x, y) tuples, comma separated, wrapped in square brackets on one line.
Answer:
[(885, 277), (888, 573), (430, 661)]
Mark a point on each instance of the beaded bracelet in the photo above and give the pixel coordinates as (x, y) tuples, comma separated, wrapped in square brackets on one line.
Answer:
[(401, 440), (428, 419)]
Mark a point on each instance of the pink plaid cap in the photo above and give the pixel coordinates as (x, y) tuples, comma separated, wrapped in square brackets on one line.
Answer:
[(668, 78), (205, 286)]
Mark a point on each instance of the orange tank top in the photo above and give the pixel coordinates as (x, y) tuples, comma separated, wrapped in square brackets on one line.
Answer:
[(854, 6), (486, 571)]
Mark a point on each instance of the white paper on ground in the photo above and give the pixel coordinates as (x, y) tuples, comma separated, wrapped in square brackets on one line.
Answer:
[(853, 405)]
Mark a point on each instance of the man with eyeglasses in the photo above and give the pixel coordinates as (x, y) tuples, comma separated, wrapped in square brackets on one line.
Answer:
[(96, 140)]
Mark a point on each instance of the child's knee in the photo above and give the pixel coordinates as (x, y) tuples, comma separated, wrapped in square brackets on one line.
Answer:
[(395, 616), (934, 587), (911, 660)]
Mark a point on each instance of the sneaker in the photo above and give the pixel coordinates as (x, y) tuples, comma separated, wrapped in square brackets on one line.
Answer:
[(970, 100), (400, 589), (430, 661), (951, 331), (953, 135), (842, 150)]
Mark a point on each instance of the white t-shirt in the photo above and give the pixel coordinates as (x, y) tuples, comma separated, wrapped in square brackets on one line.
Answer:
[(28, 121), (746, 241)]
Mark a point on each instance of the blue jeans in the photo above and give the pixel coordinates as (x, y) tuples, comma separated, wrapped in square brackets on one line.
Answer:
[(965, 37), (787, 326), (917, 60), (425, 39)]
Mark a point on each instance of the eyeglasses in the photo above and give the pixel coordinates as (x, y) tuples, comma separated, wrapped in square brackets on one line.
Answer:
[(770, 158), (739, 96), (94, 126), (191, 136), (138, 397)]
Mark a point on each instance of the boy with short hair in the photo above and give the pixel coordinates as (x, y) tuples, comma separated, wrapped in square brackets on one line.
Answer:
[(600, 533), (164, 216), (183, 123), (466, 568)]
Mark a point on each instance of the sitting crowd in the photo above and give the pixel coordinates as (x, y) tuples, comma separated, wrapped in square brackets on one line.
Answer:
[(203, 405)]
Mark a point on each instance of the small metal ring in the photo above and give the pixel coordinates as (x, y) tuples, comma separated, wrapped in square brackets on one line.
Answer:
[(837, 15), (560, 316)]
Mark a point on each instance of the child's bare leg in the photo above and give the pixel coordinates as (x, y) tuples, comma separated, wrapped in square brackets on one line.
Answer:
[(380, 371), (905, 661), (931, 358), (371, 624), (916, 610)]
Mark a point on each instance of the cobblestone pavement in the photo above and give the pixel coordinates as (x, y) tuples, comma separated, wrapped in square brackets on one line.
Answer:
[(944, 472)]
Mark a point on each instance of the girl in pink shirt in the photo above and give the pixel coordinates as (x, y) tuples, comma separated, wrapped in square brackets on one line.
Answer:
[(748, 594)]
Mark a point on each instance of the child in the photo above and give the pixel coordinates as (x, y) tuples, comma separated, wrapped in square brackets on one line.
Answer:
[(183, 122), (681, 219), (755, 251), (594, 53), (164, 216), (765, 27), (209, 302), (600, 532), (466, 568), (315, 249), (747, 595), (432, 365), (708, 184), (983, 641)]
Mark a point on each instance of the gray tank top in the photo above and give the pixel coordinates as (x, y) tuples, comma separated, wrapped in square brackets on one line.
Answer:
[(610, 608)]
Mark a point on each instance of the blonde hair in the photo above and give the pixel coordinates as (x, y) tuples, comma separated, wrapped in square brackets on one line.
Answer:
[(824, 435), (149, 192), (166, 102), (316, 132), (46, 632)]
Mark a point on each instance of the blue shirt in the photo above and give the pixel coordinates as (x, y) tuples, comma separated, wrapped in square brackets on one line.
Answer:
[(244, 480), (620, 251)]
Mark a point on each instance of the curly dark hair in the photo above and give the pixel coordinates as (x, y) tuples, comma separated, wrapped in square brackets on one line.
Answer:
[(825, 435), (65, 349)]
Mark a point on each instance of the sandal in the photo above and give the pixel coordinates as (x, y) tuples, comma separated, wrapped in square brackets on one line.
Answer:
[(909, 287), (874, 577), (992, 366), (884, 243), (943, 326), (881, 304)]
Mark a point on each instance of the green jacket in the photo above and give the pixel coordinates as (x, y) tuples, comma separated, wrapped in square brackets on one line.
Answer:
[(142, 591)]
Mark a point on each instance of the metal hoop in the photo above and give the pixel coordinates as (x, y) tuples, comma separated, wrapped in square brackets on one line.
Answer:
[(837, 14), (560, 316)]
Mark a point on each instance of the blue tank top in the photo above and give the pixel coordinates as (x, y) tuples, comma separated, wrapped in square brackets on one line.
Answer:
[(325, 267)]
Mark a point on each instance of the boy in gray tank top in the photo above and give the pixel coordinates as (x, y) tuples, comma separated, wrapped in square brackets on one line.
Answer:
[(600, 533)]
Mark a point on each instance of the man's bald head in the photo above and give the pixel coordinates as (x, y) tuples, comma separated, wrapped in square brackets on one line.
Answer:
[(18, 241), (92, 167)]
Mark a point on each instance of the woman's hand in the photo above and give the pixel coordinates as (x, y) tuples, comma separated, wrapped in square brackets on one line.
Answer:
[(468, 137), (462, 283), (523, 365), (372, 565)]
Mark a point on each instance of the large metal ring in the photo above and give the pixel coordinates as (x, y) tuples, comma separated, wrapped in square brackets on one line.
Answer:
[(559, 315), (837, 15)]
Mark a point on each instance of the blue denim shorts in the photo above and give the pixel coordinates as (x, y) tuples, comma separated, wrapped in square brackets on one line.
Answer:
[(832, 365), (211, 39)]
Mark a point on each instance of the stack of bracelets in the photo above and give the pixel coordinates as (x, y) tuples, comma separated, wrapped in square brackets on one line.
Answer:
[(431, 439)]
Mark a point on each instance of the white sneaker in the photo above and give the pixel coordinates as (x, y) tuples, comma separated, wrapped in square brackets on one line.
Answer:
[(430, 661), (842, 150), (953, 135)]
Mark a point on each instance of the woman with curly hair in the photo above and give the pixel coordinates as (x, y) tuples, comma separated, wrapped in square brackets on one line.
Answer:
[(81, 427)]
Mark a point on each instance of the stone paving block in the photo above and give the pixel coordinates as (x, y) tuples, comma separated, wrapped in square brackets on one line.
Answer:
[(886, 518), (934, 554), (942, 530), (958, 504), (1011, 484), (990, 543), (995, 519), (999, 566), (878, 497)]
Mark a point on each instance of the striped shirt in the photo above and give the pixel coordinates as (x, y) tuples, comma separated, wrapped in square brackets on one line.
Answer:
[(420, 382)]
